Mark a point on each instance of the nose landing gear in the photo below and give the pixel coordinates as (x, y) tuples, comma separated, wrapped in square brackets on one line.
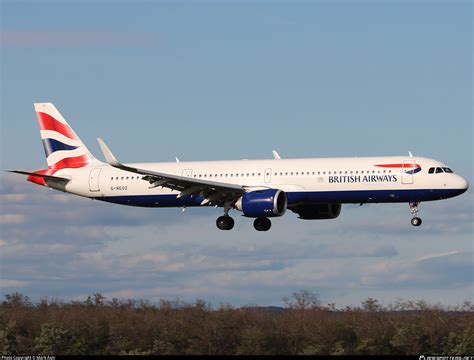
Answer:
[(415, 221)]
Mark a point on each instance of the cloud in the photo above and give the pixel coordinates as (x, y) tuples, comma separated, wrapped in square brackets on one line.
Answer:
[(12, 283), (70, 247), (451, 269), (12, 219), (62, 39)]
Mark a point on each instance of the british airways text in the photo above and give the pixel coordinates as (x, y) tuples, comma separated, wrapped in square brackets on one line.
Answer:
[(364, 179)]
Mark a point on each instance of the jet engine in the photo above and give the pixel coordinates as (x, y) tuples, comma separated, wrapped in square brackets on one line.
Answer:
[(318, 211), (262, 203)]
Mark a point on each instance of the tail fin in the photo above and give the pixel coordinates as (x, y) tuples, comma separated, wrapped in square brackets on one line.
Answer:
[(62, 146)]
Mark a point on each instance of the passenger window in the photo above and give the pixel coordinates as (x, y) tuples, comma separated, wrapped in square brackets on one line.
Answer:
[(439, 170), (431, 170)]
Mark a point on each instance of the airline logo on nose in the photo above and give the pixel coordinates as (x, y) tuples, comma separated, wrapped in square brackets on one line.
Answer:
[(407, 167)]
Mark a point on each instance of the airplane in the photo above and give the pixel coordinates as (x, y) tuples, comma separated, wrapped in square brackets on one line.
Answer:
[(312, 188)]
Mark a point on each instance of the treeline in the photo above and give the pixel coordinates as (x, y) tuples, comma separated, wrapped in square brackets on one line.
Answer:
[(101, 326)]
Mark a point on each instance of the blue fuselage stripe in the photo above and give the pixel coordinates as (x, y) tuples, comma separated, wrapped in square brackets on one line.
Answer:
[(295, 198)]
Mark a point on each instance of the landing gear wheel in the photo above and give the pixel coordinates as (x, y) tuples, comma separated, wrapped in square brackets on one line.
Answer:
[(225, 222), (416, 221), (262, 224)]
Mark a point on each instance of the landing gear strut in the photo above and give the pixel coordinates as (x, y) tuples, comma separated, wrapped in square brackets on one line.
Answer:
[(415, 221), (225, 222), (262, 224)]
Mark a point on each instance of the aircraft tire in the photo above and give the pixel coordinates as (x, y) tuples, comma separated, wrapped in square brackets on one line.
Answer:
[(262, 224), (225, 223)]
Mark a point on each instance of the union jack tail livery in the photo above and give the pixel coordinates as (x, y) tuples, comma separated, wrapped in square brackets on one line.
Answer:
[(62, 147)]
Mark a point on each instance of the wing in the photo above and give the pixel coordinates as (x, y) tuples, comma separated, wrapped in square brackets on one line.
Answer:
[(214, 192)]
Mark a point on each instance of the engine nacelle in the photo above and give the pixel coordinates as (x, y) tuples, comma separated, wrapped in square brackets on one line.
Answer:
[(262, 203), (318, 211)]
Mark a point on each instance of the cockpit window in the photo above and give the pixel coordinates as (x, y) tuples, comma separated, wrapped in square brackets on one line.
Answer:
[(439, 170)]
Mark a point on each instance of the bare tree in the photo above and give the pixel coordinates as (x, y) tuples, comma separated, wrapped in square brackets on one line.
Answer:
[(302, 300)]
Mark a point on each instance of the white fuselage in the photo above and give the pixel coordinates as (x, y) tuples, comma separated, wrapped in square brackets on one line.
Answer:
[(317, 180)]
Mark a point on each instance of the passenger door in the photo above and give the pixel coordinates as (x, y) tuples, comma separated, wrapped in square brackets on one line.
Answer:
[(268, 175), (408, 172), (94, 180), (187, 173)]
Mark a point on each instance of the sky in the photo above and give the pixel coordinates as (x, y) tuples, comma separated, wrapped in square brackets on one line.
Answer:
[(206, 80)]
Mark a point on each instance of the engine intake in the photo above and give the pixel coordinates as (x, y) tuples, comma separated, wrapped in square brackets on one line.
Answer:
[(318, 211), (262, 203)]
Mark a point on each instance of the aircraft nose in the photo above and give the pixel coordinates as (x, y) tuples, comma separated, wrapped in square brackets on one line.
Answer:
[(463, 184)]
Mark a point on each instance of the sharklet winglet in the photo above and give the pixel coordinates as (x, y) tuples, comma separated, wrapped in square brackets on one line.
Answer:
[(109, 157)]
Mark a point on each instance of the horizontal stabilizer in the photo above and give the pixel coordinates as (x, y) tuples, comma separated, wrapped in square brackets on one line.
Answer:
[(47, 177)]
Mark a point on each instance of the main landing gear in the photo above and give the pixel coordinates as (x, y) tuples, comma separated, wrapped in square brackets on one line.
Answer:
[(225, 222), (262, 224), (415, 221)]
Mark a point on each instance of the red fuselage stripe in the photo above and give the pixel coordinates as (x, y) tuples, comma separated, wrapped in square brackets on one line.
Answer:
[(407, 165)]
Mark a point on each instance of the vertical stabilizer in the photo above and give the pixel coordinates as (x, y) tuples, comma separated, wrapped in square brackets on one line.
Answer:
[(62, 147)]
